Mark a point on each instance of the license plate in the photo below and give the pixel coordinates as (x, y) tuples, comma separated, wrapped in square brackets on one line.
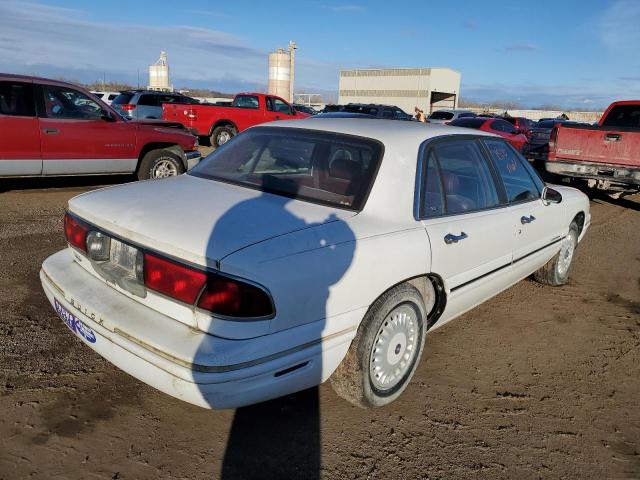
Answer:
[(75, 325)]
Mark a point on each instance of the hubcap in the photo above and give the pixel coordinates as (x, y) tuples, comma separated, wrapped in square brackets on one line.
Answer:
[(394, 348), (223, 137), (164, 168), (566, 253)]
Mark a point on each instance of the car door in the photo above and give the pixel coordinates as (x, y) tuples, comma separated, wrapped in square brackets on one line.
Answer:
[(469, 229), (19, 133), (539, 226), (76, 136), (280, 109)]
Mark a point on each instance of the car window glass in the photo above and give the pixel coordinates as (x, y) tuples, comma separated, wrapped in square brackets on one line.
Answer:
[(16, 99), (623, 116), (466, 115), (283, 155), (432, 200), (123, 99), (61, 102), (497, 125), (247, 101), (474, 122), (441, 115), (515, 177), (148, 100), (399, 115), (281, 106), (466, 177), (112, 96), (387, 113)]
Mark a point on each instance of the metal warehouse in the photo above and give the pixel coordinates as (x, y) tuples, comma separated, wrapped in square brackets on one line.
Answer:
[(427, 88)]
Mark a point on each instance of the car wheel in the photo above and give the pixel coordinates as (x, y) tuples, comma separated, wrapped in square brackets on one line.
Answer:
[(160, 164), (385, 351), (556, 271), (221, 135)]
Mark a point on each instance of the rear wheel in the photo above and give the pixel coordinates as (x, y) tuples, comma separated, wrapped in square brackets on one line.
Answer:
[(386, 350), (556, 271), (221, 135), (160, 163)]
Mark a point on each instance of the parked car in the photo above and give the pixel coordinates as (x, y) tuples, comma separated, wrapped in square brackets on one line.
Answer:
[(140, 104), (312, 260), (342, 115), (448, 115), (389, 112), (220, 124), (521, 124), (497, 126), (537, 147), (106, 97), (304, 109), (50, 127), (607, 156)]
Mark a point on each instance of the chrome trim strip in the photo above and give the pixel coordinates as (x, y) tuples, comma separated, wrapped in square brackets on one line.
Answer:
[(70, 166), (20, 167)]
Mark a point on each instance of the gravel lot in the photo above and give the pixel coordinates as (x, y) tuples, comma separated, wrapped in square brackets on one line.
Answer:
[(539, 382)]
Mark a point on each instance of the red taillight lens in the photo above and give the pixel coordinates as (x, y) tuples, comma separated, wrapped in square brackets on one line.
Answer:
[(75, 232), (233, 298), (173, 280), (127, 107)]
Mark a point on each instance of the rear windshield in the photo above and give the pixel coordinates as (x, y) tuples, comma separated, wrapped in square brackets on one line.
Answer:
[(319, 167), (474, 122), (123, 98), (441, 116), (623, 116)]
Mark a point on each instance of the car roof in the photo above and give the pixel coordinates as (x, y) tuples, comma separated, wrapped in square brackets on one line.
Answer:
[(32, 79)]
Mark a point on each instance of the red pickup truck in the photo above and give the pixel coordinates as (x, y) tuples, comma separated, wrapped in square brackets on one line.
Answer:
[(49, 127), (220, 123), (607, 155)]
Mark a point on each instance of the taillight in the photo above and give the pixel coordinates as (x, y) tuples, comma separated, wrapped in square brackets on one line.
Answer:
[(553, 137), (191, 113), (233, 298), (127, 107), (75, 232), (172, 279)]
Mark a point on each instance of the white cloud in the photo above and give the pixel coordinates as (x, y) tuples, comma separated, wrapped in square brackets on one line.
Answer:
[(54, 41)]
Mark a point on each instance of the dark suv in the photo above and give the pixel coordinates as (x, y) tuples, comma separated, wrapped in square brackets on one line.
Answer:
[(139, 104), (379, 111)]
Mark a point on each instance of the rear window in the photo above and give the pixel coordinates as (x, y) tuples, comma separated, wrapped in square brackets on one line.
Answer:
[(123, 98), (441, 116), (318, 167), (474, 122), (623, 116)]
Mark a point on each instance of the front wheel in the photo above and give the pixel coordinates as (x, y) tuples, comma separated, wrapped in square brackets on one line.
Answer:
[(386, 350), (556, 271), (160, 163)]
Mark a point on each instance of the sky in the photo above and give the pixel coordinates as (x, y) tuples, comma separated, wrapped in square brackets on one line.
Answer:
[(579, 54)]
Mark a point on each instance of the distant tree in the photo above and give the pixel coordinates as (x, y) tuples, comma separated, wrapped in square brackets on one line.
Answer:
[(109, 86), (204, 92)]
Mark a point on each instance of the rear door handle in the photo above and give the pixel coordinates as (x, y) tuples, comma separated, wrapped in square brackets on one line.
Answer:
[(51, 131), (612, 137), (450, 238), (524, 220)]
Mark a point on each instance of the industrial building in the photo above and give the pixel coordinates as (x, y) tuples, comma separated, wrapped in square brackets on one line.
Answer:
[(281, 72), (159, 75), (427, 88)]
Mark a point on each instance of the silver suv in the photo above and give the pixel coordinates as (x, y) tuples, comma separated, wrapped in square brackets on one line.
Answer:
[(140, 104)]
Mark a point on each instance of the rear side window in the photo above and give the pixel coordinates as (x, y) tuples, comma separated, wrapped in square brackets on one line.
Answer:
[(623, 116), (318, 167), (387, 113), (432, 198), (16, 99), (148, 100), (518, 182), (503, 126), (466, 181), (123, 99)]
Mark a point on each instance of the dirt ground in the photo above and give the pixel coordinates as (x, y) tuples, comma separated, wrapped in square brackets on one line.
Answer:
[(538, 382)]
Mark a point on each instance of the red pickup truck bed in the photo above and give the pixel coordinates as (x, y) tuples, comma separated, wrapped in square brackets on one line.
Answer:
[(607, 154), (221, 123)]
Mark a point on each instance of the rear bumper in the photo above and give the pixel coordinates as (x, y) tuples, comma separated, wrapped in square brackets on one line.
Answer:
[(615, 174), (213, 373)]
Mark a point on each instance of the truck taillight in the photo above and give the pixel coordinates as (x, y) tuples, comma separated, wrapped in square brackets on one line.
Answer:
[(191, 113), (75, 232), (215, 293), (553, 137), (127, 107)]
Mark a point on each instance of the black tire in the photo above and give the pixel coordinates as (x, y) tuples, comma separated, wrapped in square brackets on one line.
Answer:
[(221, 135), (553, 273), (353, 380), (153, 161)]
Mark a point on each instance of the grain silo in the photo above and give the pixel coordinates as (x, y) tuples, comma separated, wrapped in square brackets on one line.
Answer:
[(159, 75), (281, 72)]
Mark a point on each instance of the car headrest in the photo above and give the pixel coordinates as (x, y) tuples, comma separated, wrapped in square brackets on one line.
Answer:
[(344, 168), (451, 182)]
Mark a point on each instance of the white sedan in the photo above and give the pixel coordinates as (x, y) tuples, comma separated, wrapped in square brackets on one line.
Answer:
[(303, 251)]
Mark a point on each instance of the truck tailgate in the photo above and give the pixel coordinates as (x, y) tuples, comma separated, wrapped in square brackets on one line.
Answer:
[(597, 145)]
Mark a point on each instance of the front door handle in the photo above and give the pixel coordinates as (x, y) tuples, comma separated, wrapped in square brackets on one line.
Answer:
[(524, 220), (612, 137), (450, 238), (51, 131)]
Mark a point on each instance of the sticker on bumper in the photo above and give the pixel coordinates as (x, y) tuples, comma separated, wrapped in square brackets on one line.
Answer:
[(75, 325)]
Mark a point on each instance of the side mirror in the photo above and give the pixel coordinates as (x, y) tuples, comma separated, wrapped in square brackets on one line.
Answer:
[(549, 195), (107, 116)]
